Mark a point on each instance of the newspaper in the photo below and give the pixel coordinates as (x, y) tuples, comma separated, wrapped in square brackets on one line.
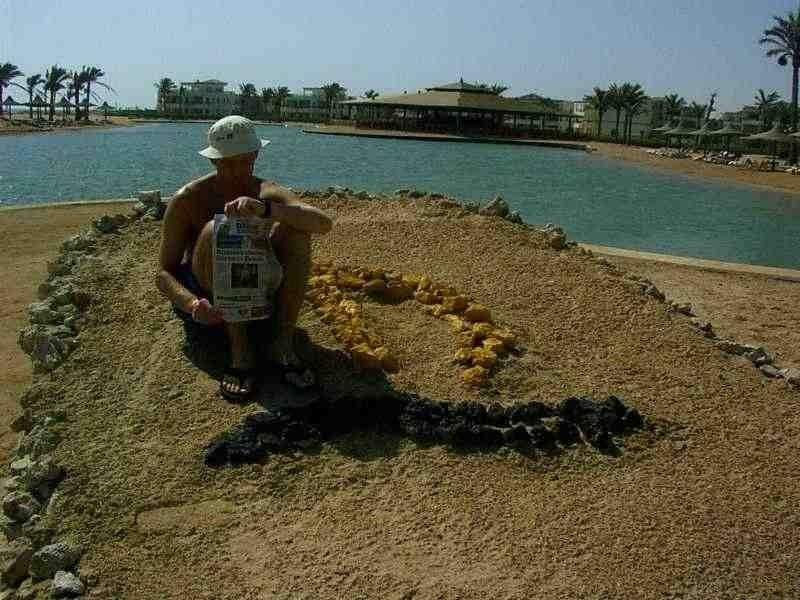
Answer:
[(241, 256)]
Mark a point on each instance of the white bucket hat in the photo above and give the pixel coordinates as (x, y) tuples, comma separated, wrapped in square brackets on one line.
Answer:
[(231, 136)]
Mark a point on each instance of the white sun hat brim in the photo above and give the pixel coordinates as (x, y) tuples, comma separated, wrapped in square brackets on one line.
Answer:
[(233, 148)]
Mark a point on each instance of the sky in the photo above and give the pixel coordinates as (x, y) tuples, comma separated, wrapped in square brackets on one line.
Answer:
[(556, 48)]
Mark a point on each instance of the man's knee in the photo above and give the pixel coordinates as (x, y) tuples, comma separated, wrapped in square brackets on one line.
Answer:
[(291, 244), (203, 255)]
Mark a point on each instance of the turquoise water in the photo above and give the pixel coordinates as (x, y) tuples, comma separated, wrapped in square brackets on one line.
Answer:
[(596, 200)]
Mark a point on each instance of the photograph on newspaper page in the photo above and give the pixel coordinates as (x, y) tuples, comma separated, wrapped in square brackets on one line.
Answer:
[(241, 253)]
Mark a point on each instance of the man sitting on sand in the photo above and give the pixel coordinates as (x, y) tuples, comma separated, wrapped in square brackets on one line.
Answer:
[(186, 258)]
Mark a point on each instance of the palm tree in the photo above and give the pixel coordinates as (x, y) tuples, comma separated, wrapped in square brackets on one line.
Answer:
[(784, 39), (634, 99), (698, 111), (33, 82), (267, 95), (332, 92), (77, 85), (90, 76), (710, 106), (624, 94), (673, 106), (7, 73), (69, 92), (615, 102), (764, 103), (371, 94), (599, 101), (165, 87), (54, 79), (247, 93), (281, 94), (182, 93)]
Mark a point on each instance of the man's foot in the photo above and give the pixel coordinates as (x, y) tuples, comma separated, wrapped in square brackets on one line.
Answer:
[(237, 385)]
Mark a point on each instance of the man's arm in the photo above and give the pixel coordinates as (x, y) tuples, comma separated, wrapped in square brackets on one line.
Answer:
[(286, 207), (174, 240)]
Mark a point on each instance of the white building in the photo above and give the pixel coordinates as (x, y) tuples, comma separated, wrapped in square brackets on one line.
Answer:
[(641, 125), (206, 99)]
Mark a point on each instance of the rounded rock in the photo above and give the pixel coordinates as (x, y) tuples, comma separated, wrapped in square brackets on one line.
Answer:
[(50, 559)]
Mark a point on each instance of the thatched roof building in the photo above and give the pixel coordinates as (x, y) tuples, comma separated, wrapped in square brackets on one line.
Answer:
[(460, 107)]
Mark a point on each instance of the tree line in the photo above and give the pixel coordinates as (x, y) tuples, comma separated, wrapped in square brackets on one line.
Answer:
[(71, 85)]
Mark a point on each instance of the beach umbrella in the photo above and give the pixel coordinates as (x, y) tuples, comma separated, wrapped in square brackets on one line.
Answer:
[(680, 131), (701, 133), (727, 132), (8, 103), (776, 136), (38, 103), (663, 129)]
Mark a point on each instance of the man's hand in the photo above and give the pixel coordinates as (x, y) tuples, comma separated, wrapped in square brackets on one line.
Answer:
[(244, 206), (204, 312)]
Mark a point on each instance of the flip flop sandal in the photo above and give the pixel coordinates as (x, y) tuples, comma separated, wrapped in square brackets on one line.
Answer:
[(241, 377)]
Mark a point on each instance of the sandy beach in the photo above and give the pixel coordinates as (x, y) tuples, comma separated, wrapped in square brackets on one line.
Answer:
[(32, 237), (776, 181), (708, 511), (17, 127)]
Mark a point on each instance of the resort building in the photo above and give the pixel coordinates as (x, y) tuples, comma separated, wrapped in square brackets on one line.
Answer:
[(310, 105), (460, 108), (206, 99), (747, 120), (648, 118)]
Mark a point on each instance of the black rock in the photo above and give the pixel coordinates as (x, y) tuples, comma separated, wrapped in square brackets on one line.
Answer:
[(516, 435), (530, 413), (239, 445)]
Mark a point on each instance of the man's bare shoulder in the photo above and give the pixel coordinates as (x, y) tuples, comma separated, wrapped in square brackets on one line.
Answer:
[(194, 190), (190, 195)]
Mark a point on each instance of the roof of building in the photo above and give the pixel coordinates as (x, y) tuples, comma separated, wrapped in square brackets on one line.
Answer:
[(462, 86), (212, 81), (435, 98)]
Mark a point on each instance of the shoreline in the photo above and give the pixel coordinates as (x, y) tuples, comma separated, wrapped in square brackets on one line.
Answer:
[(27, 130), (772, 181), (440, 137), (781, 273), (776, 181)]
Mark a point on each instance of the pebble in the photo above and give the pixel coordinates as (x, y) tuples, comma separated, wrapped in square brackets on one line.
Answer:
[(496, 208), (67, 585), (52, 558), (770, 371), (19, 506), (15, 559), (791, 375)]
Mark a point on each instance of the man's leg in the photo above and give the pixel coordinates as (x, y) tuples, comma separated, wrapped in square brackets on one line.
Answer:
[(241, 355), (293, 250)]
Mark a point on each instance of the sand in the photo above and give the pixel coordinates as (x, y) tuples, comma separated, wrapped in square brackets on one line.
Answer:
[(31, 237), (21, 125), (708, 511), (776, 181)]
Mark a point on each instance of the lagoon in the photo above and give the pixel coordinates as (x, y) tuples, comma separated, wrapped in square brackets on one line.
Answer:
[(597, 200)]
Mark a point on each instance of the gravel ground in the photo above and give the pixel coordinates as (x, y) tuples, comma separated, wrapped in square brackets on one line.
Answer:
[(709, 510)]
